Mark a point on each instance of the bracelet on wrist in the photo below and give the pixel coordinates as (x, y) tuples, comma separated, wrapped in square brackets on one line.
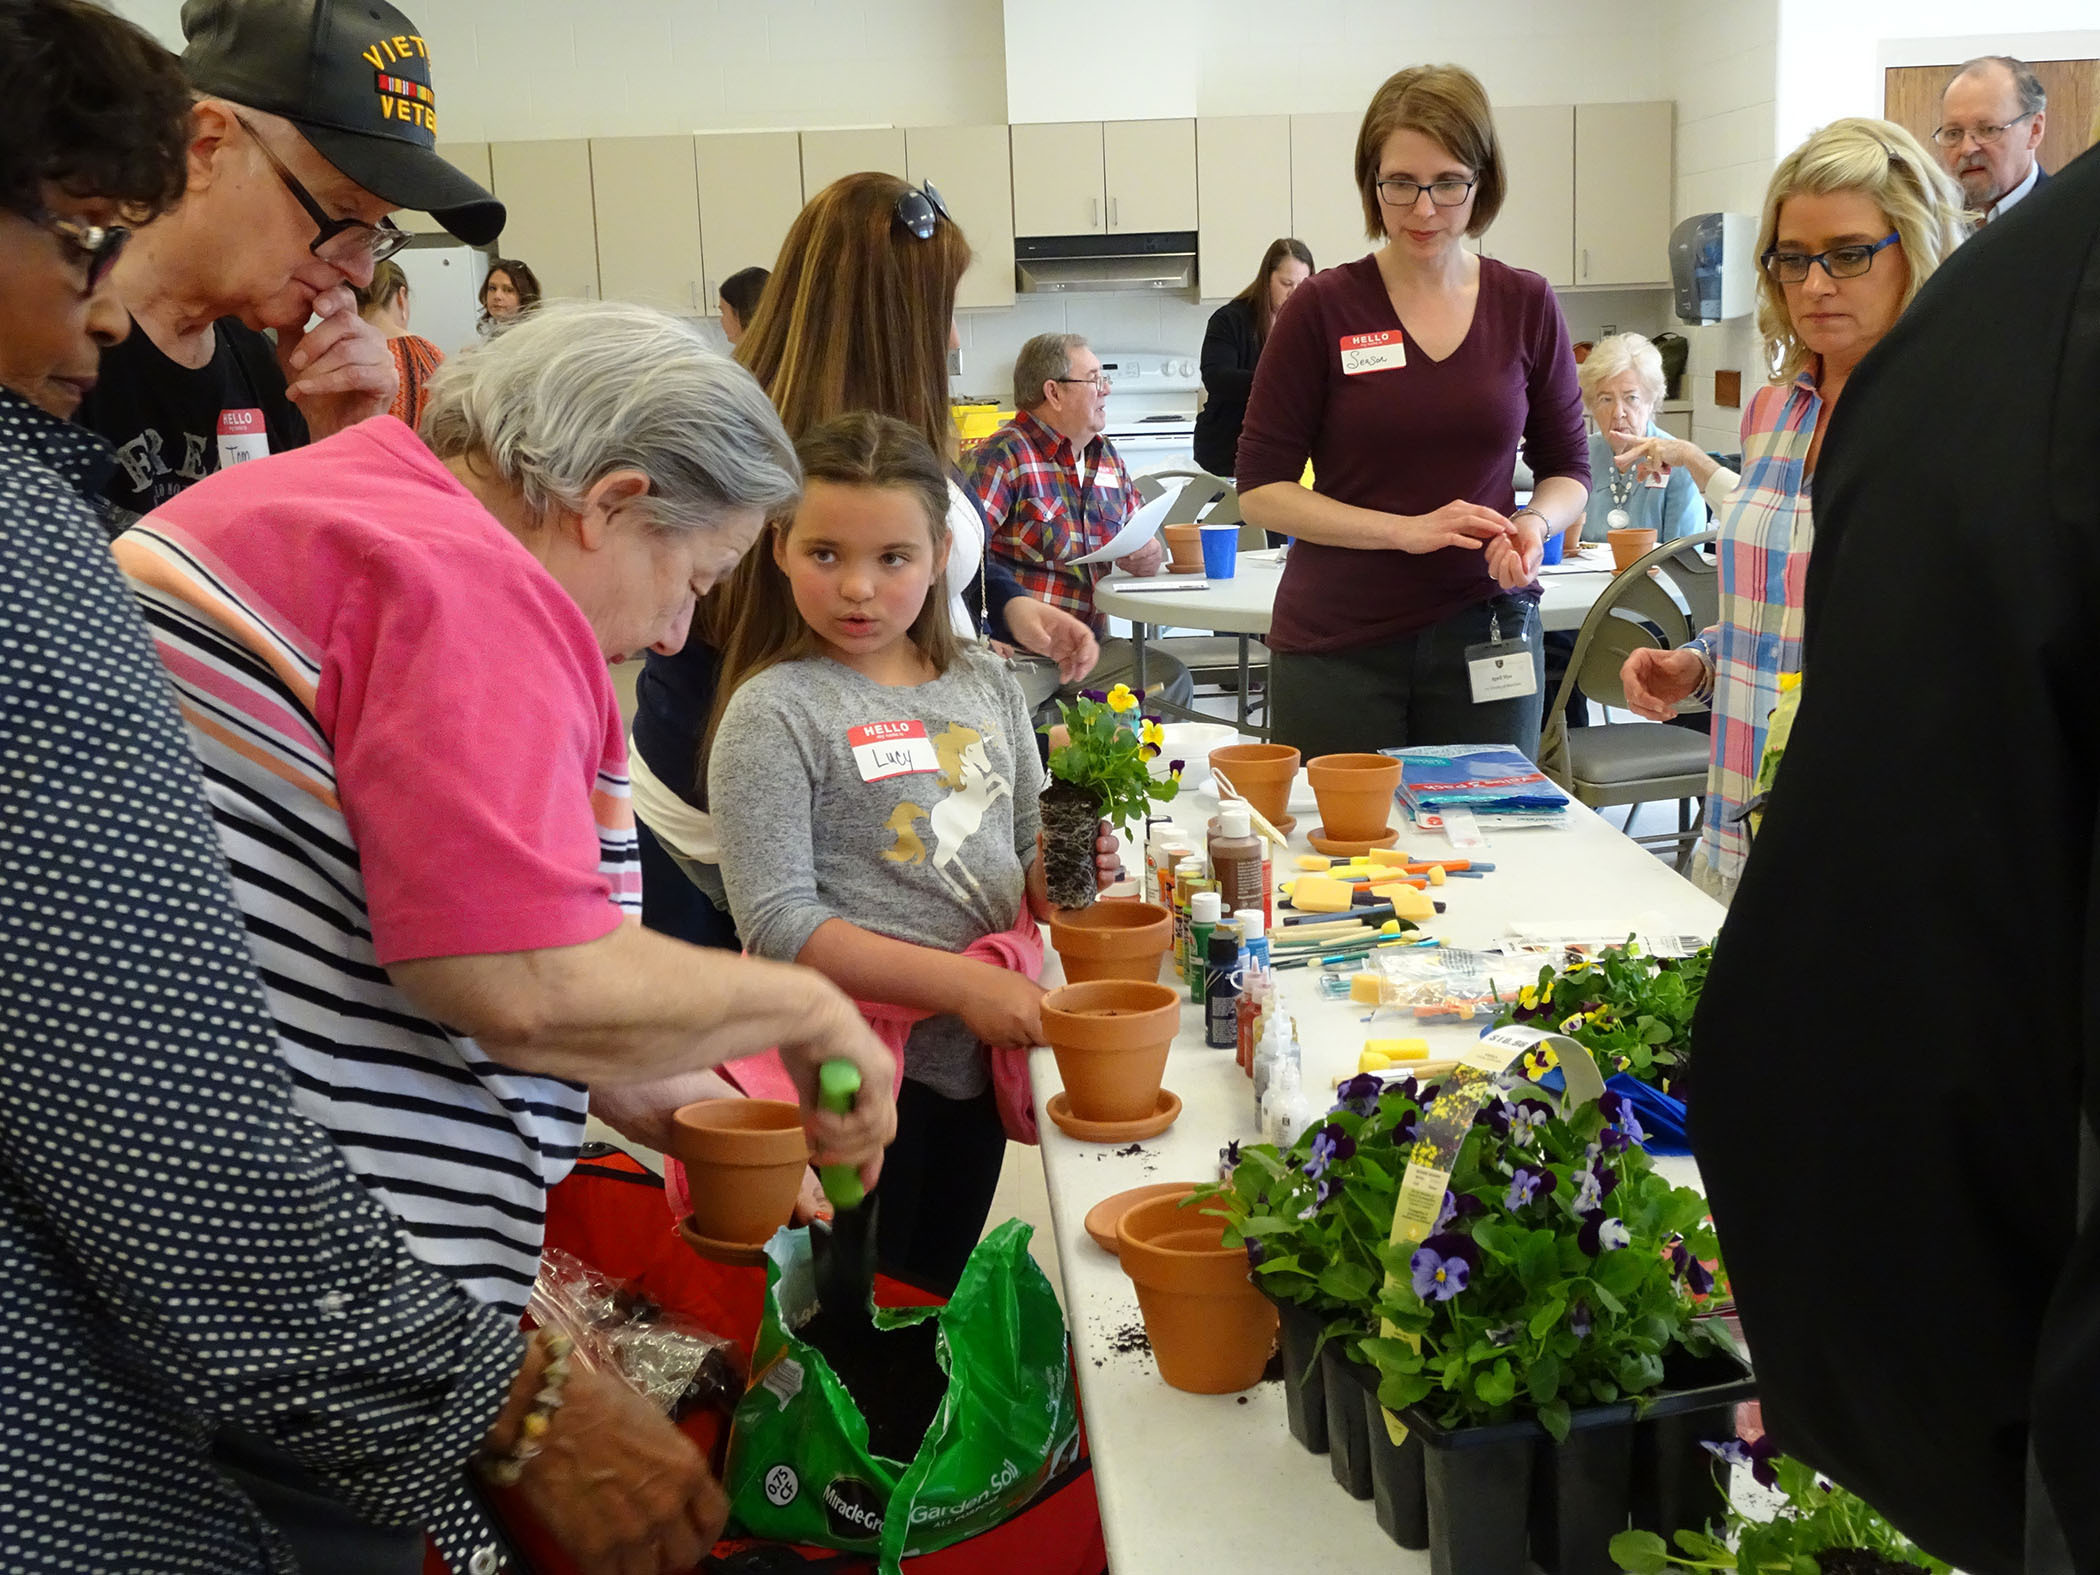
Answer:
[(1537, 514), (505, 1467)]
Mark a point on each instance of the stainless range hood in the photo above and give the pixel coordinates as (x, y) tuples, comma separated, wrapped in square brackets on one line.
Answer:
[(1159, 260)]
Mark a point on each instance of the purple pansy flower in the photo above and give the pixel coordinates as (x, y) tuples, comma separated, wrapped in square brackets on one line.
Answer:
[(1359, 1094), (1098, 696), (1496, 1113), (1601, 1233), (1255, 1253), (1229, 1155), (1527, 1118), (1589, 1192), (1438, 1278), (1579, 1319), (1757, 1455), (1527, 1186), (1698, 1278), (1325, 1191), (1458, 1206), (1329, 1144)]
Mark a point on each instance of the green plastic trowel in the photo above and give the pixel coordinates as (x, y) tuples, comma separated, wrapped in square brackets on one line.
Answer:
[(845, 1253)]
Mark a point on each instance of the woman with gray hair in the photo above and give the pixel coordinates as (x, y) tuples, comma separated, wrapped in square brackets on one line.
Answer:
[(1622, 383), (392, 653)]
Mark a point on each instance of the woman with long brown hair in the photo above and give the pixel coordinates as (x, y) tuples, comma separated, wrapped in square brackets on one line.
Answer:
[(858, 315), (1232, 348)]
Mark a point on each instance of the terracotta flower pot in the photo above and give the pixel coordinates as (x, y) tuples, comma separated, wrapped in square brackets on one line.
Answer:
[(1355, 794), (1112, 940), (1184, 548), (1210, 1329), (743, 1161), (1629, 545), (1263, 774), (1111, 1038)]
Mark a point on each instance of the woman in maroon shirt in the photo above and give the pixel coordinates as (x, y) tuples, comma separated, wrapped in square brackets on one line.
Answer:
[(1408, 379)]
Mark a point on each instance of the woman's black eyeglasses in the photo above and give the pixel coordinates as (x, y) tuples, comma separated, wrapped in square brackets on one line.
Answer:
[(919, 208), (100, 244), (339, 242)]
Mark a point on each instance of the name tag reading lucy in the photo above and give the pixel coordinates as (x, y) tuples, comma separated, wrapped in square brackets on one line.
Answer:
[(891, 749), (1384, 351)]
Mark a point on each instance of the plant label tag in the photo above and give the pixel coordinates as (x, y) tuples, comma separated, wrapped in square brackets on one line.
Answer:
[(1532, 1052), (1384, 351), (1502, 670), (891, 749), (242, 436)]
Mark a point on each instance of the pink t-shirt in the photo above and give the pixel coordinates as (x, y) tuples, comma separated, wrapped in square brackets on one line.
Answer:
[(412, 749)]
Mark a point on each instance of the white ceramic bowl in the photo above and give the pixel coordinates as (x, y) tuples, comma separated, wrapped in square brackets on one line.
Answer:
[(1192, 742)]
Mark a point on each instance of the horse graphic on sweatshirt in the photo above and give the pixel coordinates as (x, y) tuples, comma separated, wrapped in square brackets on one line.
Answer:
[(966, 772)]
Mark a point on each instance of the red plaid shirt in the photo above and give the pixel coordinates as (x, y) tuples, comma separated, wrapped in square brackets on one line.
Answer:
[(1048, 506)]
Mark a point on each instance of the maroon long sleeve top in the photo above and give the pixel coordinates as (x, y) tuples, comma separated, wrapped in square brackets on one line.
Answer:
[(1405, 440)]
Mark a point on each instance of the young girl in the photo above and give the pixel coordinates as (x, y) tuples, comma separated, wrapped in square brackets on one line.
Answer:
[(874, 783)]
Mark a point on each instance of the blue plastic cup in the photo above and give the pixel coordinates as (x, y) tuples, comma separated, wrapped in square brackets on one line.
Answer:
[(1221, 551), (1556, 546)]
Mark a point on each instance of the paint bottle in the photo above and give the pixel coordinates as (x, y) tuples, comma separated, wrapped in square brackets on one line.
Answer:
[(1171, 853), (1158, 836), (1222, 982), (1206, 908), (1238, 859), (1187, 874), (1254, 983)]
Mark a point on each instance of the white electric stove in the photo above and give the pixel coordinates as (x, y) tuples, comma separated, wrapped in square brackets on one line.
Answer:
[(1151, 408)]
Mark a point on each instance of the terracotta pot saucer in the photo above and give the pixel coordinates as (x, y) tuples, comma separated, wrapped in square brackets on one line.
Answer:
[(733, 1252), (1115, 1131), (1101, 1218), (1322, 843)]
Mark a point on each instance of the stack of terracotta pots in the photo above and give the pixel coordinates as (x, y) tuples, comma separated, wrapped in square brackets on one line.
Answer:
[(1114, 940), (744, 1160)]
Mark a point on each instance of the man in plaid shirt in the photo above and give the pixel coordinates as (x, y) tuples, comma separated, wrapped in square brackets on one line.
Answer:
[(1055, 489)]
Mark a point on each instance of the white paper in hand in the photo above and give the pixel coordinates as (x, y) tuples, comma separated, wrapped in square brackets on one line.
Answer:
[(1141, 527)]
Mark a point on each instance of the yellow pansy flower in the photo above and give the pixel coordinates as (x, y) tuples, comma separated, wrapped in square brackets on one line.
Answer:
[(1121, 699), (1152, 733)]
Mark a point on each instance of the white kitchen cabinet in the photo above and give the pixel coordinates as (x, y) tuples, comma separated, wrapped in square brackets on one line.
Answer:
[(829, 155), (750, 185), (1058, 183), (470, 159), (1536, 227), (971, 167), (1326, 211), (1624, 184), (648, 208), (546, 186), (1243, 197), (1150, 175)]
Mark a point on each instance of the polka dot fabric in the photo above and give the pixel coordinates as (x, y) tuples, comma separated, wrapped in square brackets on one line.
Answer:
[(179, 1247)]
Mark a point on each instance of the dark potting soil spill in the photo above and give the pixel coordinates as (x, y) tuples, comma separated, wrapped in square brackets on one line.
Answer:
[(1863, 1561), (892, 1375)]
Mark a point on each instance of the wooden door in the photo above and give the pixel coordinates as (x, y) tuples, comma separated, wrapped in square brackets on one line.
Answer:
[(546, 187), (971, 167), (1058, 186), (1625, 185), (828, 155), (1911, 98), (750, 186), (1536, 228), (1149, 169), (1243, 197), (1326, 211), (648, 211)]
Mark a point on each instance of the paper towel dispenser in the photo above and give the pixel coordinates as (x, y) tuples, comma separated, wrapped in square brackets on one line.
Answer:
[(1711, 267)]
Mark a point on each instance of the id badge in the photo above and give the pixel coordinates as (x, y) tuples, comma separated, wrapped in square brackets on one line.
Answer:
[(1384, 351), (1501, 669), (242, 436), (891, 749)]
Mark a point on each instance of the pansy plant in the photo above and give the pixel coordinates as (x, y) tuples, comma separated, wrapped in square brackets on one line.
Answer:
[(1631, 1011)]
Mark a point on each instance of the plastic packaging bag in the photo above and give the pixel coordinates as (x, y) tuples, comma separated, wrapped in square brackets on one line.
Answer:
[(669, 1360), (800, 1469)]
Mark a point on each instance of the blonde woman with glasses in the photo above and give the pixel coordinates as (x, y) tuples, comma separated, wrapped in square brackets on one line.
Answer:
[(1855, 220)]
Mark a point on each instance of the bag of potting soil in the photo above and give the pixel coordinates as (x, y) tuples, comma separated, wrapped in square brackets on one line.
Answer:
[(808, 1464)]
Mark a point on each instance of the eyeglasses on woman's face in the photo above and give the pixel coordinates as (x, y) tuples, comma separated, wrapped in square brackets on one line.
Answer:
[(1840, 262), (1447, 193), (97, 245)]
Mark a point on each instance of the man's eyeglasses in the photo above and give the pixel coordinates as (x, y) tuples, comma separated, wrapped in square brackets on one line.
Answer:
[(342, 243), (1442, 193), (1840, 262), (100, 244), (1951, 136), (919, 208), (1099, 381)]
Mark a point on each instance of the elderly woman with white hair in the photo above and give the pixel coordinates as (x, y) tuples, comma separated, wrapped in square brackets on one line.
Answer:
[(1855, 221), (392, 653), (1622, 383)]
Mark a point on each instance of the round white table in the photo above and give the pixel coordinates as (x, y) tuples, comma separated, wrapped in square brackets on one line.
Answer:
[(1244, 605), (1215, 1482)]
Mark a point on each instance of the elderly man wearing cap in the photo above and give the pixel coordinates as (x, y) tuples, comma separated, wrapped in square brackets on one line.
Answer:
[(313, 122)]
